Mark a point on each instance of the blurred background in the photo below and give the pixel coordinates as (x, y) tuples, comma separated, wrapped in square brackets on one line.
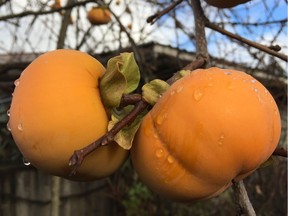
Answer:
[(29, 28)]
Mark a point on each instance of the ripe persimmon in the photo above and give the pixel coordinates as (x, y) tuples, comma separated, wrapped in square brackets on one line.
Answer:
[(226, 4), (209, 128), (99, 16), (56, 109)]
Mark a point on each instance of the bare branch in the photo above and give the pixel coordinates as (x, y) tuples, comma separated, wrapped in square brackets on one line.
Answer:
[(280, 152), (79, 155), (200, 19), (64, 25), (41, 12), (246, 41), (152, 19), (242, 201)]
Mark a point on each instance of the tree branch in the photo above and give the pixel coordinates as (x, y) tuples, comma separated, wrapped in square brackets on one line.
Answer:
[(280, 152), (200, 20), (36, 13), (79, 155), (246, 41), (152, 19), (200, 62), (244, 206), (64, 26)]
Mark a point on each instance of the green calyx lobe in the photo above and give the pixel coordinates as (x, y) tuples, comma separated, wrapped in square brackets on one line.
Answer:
[(153, 90), (121, 77)]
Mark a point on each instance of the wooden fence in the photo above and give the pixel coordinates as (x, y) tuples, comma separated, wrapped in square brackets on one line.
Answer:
[(28, 193)]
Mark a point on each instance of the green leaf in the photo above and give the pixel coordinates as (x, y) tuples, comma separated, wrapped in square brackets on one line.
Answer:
[(125, 137), (121, 77), (153, 90)]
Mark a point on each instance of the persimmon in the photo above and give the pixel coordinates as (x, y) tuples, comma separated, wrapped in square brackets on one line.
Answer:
[(56, 109), (226, 4), (209, 128), (99, 16)]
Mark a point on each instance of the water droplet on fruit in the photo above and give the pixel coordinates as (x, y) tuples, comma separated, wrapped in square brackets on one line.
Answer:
[(20, 126), (155, 135), (230, 86), (198, 94), (179, 89), (170, 159), (253, 81), (8, 126), (227, 73), (159, 153), (8, 113), (26, 162), (172, 92), (255, 90), (160, 118), (221, 140), (147, 131), (16, 82)]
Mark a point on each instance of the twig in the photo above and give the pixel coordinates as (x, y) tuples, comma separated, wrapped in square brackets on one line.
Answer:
[(130, 99), (30, 12), (79, 155), (244, 206), (152, 19), (246, 41), (280, 152), (198, 63)]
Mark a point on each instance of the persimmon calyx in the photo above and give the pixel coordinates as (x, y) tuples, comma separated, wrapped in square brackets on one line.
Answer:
[(153, 90), (126, 135), (121, 77)]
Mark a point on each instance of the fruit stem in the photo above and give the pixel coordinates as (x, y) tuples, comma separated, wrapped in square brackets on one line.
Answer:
[(78, 156)]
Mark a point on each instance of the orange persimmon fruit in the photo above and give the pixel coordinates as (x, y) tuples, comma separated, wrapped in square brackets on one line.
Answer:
[(209, 128), (56, 109), (226, 4), (99, 16)]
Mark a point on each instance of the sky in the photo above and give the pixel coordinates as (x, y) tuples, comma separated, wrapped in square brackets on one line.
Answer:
[(40, 35)]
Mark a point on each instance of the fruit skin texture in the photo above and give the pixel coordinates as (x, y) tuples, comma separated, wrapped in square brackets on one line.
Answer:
[(99, 16), (226, 4), (56, 109), (208, 128)]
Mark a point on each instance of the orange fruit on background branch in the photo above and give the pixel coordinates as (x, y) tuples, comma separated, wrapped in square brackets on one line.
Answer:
[(226, 4), (56, 109), (209, 128), (99, 16)]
